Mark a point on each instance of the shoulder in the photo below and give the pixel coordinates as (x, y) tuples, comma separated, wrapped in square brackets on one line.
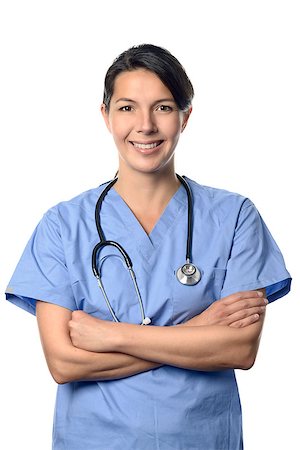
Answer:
[(218, 201), (80, 206)]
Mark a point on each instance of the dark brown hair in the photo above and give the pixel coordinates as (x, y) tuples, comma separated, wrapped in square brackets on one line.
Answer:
[(157, 60)]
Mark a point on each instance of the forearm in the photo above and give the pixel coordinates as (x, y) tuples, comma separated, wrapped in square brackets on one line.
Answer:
[(196, 348), (198, 344), (74, 364), (68, 363)]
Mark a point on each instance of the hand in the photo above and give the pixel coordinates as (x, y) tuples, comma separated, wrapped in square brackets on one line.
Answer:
[(237, 310), (89, 333)]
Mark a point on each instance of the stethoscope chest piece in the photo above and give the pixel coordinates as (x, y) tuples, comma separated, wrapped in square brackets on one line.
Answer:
[(188, 274)]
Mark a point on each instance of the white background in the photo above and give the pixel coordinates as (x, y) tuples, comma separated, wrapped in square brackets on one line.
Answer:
[(243, 135)]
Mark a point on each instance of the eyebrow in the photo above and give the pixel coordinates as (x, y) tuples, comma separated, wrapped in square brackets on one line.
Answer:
[(124, 99)]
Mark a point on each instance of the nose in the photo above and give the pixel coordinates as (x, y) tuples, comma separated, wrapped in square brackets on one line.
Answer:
[(146, 123)]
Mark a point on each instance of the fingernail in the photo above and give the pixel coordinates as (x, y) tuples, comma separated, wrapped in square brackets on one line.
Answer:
[(260, 294), (266, 301)]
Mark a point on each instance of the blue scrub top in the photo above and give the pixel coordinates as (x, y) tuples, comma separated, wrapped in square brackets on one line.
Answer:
[(167, 408)]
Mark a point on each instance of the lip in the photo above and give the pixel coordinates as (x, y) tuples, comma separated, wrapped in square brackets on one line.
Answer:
[(147, 151)]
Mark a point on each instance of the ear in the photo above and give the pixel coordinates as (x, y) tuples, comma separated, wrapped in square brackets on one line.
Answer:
[(186, 116), (105, 116)]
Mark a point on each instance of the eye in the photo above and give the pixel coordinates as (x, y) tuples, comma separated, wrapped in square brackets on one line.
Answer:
[(164, 108), (126, 108)]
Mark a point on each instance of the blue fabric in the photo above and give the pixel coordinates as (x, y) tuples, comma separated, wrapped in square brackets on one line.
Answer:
[(169, 407)]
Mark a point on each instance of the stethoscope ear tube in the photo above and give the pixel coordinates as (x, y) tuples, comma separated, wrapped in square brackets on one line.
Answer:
[(102, 244), (97, 248), (188, 274), (98, 207)]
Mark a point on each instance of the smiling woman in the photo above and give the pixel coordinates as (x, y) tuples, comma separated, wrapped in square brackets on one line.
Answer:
[(145, 121), (182, 365)]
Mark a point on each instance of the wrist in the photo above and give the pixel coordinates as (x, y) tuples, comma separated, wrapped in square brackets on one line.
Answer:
[(195, 321), (121, 334)]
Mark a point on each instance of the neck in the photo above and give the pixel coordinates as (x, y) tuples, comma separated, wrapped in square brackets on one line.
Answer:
[(146, 189)]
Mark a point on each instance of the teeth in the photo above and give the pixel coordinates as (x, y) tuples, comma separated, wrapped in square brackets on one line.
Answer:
[(146, 146)]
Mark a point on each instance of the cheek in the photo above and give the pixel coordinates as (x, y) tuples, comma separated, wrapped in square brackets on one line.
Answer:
[(120, 129), (172, 128)]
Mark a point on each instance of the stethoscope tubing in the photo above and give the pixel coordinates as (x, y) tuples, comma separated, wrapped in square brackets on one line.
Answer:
[(182, 274), (189, 226), (127, 259)]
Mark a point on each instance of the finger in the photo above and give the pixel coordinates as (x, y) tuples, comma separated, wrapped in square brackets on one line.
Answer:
[(244, 304), (230, 299), (78, 314), (245, 322), (245, 313)]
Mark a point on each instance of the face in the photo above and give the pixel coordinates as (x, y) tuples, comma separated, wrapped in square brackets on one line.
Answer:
[(144, 121)]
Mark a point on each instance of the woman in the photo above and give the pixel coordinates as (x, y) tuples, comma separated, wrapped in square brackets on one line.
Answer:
[(170, 384)]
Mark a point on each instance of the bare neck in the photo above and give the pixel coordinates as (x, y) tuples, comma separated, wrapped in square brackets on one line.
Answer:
[(145, 190)]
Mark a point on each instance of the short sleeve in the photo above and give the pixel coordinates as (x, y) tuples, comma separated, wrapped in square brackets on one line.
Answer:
[(255, 260), (41, 273)]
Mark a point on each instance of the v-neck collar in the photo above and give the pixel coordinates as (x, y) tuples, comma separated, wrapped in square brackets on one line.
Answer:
[(148, 244)]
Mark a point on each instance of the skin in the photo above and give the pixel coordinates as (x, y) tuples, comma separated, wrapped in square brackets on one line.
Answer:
[(212, 347), (78, 346), (145, 182), (230, 329)]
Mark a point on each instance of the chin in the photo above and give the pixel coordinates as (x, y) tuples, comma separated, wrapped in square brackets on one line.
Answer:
[(150, 169), (148, 165)]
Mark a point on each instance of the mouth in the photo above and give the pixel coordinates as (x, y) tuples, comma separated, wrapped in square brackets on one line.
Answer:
[(146, 147)]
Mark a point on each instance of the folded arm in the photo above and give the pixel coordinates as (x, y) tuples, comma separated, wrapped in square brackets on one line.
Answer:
[(197, 348), (226, 335), (74, 343), (68, 363)]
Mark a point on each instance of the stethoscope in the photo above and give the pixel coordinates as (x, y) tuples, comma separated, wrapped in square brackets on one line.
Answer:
[(188, 274)]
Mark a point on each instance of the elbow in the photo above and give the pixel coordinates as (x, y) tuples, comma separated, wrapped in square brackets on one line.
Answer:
[(248, 357), (248, 363), (59, 375), (59, 378), (59, 371)]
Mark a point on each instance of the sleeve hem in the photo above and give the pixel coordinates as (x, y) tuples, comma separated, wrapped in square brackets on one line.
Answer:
[(275, 288), (27, 300)]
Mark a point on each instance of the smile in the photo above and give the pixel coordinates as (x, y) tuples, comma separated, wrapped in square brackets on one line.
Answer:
[(147, 146)]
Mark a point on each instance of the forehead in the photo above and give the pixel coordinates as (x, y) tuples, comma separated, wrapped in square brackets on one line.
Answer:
[(138, 84)]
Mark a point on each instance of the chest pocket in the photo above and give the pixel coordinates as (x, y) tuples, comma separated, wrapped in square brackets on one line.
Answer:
[(188, 301)]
